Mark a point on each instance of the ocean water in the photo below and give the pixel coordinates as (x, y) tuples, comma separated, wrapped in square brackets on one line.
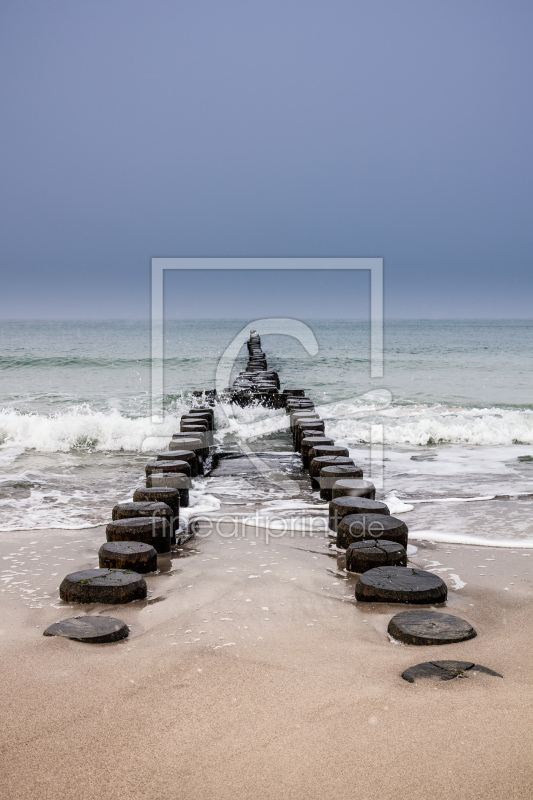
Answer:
[(454, 411)]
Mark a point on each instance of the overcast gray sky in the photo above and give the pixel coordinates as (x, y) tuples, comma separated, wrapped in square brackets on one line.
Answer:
[(288, 127)]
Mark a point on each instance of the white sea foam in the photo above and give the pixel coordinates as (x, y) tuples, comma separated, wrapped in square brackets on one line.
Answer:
[(478, 541), (45, 499), (9, 454), (64, 507), (457, 582), (80, 428), (395, 505), (200, 503), (431, 424), (249, 423), (350, 423), (54, 508), (454, 499), (313, 525)]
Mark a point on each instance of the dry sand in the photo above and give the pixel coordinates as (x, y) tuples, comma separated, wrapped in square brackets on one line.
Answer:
[(251, 672)]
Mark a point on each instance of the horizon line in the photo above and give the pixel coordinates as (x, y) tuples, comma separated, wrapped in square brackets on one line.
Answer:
[(277, 316)]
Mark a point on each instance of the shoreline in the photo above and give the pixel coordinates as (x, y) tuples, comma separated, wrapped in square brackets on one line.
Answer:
[(251, 670)]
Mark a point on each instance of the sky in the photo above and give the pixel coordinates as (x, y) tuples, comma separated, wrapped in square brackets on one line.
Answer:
[(290, 128)]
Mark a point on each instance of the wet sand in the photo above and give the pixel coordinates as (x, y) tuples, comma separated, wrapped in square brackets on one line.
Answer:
[(252, 672)]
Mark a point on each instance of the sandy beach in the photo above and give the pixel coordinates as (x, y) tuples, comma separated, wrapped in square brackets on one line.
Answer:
[(251, 671), (269, 264)]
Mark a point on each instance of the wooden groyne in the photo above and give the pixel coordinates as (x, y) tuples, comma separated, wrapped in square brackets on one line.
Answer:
[(372, 541), (257, 384)]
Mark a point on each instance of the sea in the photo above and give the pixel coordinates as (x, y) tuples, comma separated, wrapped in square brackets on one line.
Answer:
[(446, 434)]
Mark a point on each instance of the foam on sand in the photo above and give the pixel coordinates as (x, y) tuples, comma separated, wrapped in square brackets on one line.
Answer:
[(477, 541)]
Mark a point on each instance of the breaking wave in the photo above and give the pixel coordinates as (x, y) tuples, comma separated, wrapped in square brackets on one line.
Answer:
[(81, 428)]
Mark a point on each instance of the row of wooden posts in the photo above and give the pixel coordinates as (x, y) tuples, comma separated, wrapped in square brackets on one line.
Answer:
[(373, 544), (372, 541), (149, 525)]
